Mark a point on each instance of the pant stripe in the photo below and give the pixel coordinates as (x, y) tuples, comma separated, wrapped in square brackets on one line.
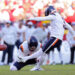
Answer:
[(55, 42), (52, 44)]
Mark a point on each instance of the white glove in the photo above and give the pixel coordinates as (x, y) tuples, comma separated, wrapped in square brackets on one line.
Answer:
[(19, 59), (22, 59)]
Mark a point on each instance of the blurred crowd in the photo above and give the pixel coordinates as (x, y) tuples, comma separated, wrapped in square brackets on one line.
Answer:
[(14, 29), (23, 9)]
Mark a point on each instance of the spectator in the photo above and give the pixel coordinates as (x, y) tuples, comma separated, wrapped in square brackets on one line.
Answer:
[(38, 31), (20, 34), (72, 44), (9, 37), (29, 30)]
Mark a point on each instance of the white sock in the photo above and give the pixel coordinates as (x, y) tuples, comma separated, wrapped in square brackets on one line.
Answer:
[(36, 54), (53, 60), (60, 56)]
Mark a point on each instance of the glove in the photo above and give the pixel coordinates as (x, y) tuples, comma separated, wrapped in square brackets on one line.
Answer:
[(19, 59), (22, 59)]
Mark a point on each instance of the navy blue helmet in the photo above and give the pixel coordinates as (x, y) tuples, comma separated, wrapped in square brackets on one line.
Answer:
[(33, 42), (49, 10)]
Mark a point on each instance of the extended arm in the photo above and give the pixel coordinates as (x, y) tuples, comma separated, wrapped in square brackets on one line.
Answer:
[(50, 17)]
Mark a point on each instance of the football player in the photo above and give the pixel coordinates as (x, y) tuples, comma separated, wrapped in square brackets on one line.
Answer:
[(27, 48), (57, 31)]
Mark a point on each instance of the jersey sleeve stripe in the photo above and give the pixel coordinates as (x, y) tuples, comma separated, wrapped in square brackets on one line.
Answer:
[(22, 49)]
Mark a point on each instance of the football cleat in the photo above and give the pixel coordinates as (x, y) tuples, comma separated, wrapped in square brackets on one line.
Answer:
[(36, 69)]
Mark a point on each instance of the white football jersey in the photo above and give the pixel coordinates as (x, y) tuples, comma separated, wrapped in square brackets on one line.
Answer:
[(24, 51), (57, 25), (57, 29)]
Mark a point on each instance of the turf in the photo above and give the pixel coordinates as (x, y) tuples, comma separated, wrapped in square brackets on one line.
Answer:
[(48, 70)]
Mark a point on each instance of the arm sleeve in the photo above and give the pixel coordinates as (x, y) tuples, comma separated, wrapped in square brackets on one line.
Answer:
[(50, 17), (69, 28), (21, 51), (19, 56)]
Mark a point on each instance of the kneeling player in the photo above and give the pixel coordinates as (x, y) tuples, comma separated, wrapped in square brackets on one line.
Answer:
[(26, 49)]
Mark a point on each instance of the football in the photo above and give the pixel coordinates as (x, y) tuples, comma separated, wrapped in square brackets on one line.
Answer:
[(3, 47)]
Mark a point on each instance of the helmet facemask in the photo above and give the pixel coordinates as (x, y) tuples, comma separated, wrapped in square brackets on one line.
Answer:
[(32, 44)]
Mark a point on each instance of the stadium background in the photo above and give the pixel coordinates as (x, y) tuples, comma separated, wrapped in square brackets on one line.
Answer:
[(15, 10)]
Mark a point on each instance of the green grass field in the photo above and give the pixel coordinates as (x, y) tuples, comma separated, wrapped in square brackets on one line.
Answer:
[(48, 70)]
